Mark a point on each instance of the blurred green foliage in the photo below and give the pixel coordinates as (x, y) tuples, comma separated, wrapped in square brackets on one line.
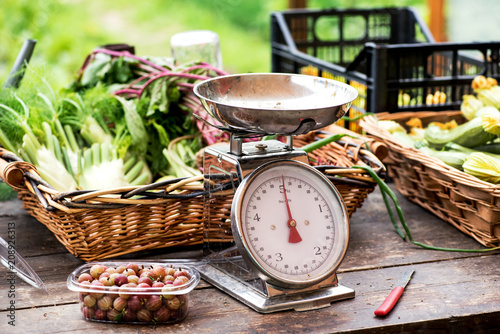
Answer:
[(63, 37), (6, 192), (67, 30), (418, 4)]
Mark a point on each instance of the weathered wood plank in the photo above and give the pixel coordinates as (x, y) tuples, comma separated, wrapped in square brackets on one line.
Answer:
[(440, 296), (449, 291), (32, 238)]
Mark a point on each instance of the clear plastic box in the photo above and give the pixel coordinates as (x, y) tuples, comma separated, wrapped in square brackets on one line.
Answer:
[(141, 292)]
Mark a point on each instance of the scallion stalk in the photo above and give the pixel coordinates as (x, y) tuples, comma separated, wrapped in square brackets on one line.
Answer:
[(325, 141), (384, 188)]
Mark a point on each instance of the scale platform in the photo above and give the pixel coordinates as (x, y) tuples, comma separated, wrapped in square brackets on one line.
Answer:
[(252, 291)]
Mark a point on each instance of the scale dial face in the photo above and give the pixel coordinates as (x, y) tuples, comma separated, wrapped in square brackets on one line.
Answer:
[(290, 224)]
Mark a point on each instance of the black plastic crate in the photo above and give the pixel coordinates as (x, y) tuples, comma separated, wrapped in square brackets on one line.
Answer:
[(387, 54)]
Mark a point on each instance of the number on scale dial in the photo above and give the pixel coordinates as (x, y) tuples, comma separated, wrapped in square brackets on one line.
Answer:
[(292, 223)]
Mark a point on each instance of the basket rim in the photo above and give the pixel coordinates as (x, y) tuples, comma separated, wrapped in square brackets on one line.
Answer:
[(151, 194), (369, 124)]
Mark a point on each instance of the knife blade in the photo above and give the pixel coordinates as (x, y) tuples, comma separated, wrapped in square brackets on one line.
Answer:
[(395, 294)]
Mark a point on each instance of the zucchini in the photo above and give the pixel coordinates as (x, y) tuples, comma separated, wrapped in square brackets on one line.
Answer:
[(403, 138), (452, 147), (489, 148), (469, 134), (453, 159)]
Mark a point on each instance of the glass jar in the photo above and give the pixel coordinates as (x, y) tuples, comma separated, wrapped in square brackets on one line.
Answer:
[(196, 45)]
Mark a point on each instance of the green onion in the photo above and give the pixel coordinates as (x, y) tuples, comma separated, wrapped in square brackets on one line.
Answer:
[(384, 188), (354, 119), (325, 141)]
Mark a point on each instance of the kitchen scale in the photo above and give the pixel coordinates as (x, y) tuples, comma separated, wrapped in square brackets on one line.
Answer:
[(278, 245)]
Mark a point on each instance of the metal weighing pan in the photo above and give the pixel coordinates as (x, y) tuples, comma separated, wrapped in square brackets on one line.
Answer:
[(275, 103)]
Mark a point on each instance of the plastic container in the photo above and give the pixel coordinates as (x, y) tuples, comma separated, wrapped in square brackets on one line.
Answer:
[(387, 54), (196, 45), (17, 265), (143, 303)]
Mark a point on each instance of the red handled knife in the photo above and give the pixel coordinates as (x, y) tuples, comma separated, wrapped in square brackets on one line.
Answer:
[(393, 297)]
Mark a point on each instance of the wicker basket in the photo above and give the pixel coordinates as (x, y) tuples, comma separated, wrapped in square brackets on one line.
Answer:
[(469, 204), (113, 222)]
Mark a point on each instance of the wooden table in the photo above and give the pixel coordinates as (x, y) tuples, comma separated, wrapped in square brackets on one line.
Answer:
[(449, 292)]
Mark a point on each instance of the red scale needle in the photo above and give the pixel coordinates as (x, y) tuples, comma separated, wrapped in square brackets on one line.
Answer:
[(294, 236)]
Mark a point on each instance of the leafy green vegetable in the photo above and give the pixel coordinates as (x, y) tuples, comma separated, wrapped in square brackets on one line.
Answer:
[(118, 123), (156, 103), (135, 124), (95, 70)]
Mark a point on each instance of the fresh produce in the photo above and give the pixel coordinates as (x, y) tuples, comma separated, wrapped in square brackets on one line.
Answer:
[(480, 82), (125, 120), (483, 166), (69, 149), (470, 105), (157, 87), (436, 98), (491, 121), (406, 99), (472, 146), (159, 296), (404, 138), (490, 96), (469, 134), (451, 158), (391, 126)]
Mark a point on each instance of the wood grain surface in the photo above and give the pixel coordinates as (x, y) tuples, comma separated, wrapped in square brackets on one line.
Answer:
[(449, 292)]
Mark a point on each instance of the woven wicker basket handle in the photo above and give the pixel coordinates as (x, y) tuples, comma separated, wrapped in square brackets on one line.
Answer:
[(12, 172)]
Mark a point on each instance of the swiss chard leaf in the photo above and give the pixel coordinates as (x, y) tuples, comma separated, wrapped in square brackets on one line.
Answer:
[(121, 70), (162, 133), (135, 124), (94, 70)]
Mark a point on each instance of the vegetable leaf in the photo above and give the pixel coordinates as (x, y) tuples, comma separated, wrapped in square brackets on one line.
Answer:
[(135, 124), (94, 70)]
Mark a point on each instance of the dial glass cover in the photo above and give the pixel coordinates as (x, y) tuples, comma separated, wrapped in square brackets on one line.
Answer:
[(291, 223)]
